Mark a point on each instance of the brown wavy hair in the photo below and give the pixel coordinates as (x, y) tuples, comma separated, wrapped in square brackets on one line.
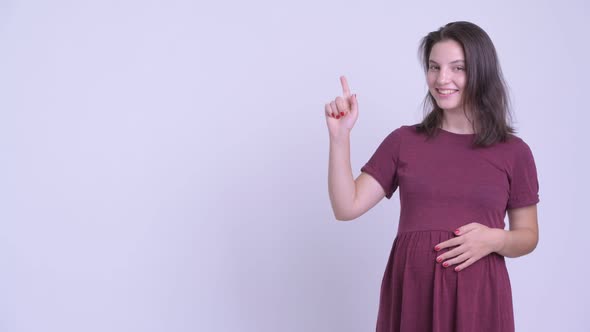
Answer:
[(485, 92)]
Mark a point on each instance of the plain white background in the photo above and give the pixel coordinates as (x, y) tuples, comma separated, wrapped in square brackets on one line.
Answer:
[(164, 163)]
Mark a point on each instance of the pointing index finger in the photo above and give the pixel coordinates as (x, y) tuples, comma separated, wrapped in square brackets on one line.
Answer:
[(345, 88)]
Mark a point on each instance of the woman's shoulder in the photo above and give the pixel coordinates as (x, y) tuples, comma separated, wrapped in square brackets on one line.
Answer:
[(405, 130), (400, 133), (515, 143), (513, 148)]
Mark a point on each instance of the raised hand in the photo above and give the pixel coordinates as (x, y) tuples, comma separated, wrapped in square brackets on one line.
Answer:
[(342, 112)]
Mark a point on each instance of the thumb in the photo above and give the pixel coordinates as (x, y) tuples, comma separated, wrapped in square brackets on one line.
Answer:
[(354, 106)]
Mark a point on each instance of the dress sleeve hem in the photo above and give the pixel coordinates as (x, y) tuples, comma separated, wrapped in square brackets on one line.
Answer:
[(369, 169), (522, 203)]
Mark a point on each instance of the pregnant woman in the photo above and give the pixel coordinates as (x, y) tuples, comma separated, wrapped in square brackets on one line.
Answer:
[(459, 172)]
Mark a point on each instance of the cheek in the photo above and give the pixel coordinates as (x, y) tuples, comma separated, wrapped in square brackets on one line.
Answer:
[(430, 79), (462, 80)]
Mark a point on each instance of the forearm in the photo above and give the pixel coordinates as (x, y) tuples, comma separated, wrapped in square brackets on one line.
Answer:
[(518, 242), (341, 185)]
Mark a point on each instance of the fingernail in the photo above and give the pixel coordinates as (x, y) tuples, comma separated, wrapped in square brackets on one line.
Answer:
[(437, 248), (445, 264), (337, 116), (457, 269), (457, 231), (439, 259), (342, 113)]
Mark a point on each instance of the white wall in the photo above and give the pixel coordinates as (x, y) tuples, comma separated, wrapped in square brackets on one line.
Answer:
[(164, 163)]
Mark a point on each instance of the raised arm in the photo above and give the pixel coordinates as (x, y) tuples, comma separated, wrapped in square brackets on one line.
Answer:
[(350, 198)]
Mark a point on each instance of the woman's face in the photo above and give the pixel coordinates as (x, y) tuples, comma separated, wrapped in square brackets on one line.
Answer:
[(446, 75)]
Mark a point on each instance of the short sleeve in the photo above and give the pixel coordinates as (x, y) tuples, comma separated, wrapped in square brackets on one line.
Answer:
[(382, 165), (522, 178)]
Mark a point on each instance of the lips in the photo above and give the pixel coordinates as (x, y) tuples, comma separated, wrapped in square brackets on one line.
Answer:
[(446, 92)]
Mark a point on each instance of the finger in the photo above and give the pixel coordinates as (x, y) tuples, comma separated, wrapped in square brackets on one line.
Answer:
[(334, 110), (449, 243), (343, 106), (451, 253), (467, 263), (328, 110), (345, 88), (457, 260), (331, 110), (466, 228)]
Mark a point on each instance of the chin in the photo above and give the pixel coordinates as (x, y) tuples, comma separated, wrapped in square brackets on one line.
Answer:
[(448, 106)]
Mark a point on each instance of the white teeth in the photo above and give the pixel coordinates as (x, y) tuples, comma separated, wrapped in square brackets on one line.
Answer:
[(446, 92)]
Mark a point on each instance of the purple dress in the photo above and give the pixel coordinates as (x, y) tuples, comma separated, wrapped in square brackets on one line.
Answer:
[(445, 183)]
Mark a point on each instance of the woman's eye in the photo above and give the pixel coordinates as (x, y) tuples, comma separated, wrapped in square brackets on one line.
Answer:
[(460, 68), (433, 67)]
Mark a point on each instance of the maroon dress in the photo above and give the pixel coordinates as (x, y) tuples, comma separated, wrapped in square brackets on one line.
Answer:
[(446, 183)]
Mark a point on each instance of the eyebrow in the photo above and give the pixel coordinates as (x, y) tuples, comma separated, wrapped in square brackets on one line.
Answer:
[(456, 61)]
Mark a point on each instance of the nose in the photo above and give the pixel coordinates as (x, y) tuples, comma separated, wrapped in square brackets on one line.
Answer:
[(443, 77)]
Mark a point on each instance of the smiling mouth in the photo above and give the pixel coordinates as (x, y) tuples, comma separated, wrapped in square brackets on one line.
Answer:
[(446, 92)]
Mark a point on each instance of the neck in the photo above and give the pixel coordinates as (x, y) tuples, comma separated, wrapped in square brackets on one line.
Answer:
[(455, 121)]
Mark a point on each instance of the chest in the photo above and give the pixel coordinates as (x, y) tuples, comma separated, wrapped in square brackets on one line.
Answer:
[(438, 176)]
